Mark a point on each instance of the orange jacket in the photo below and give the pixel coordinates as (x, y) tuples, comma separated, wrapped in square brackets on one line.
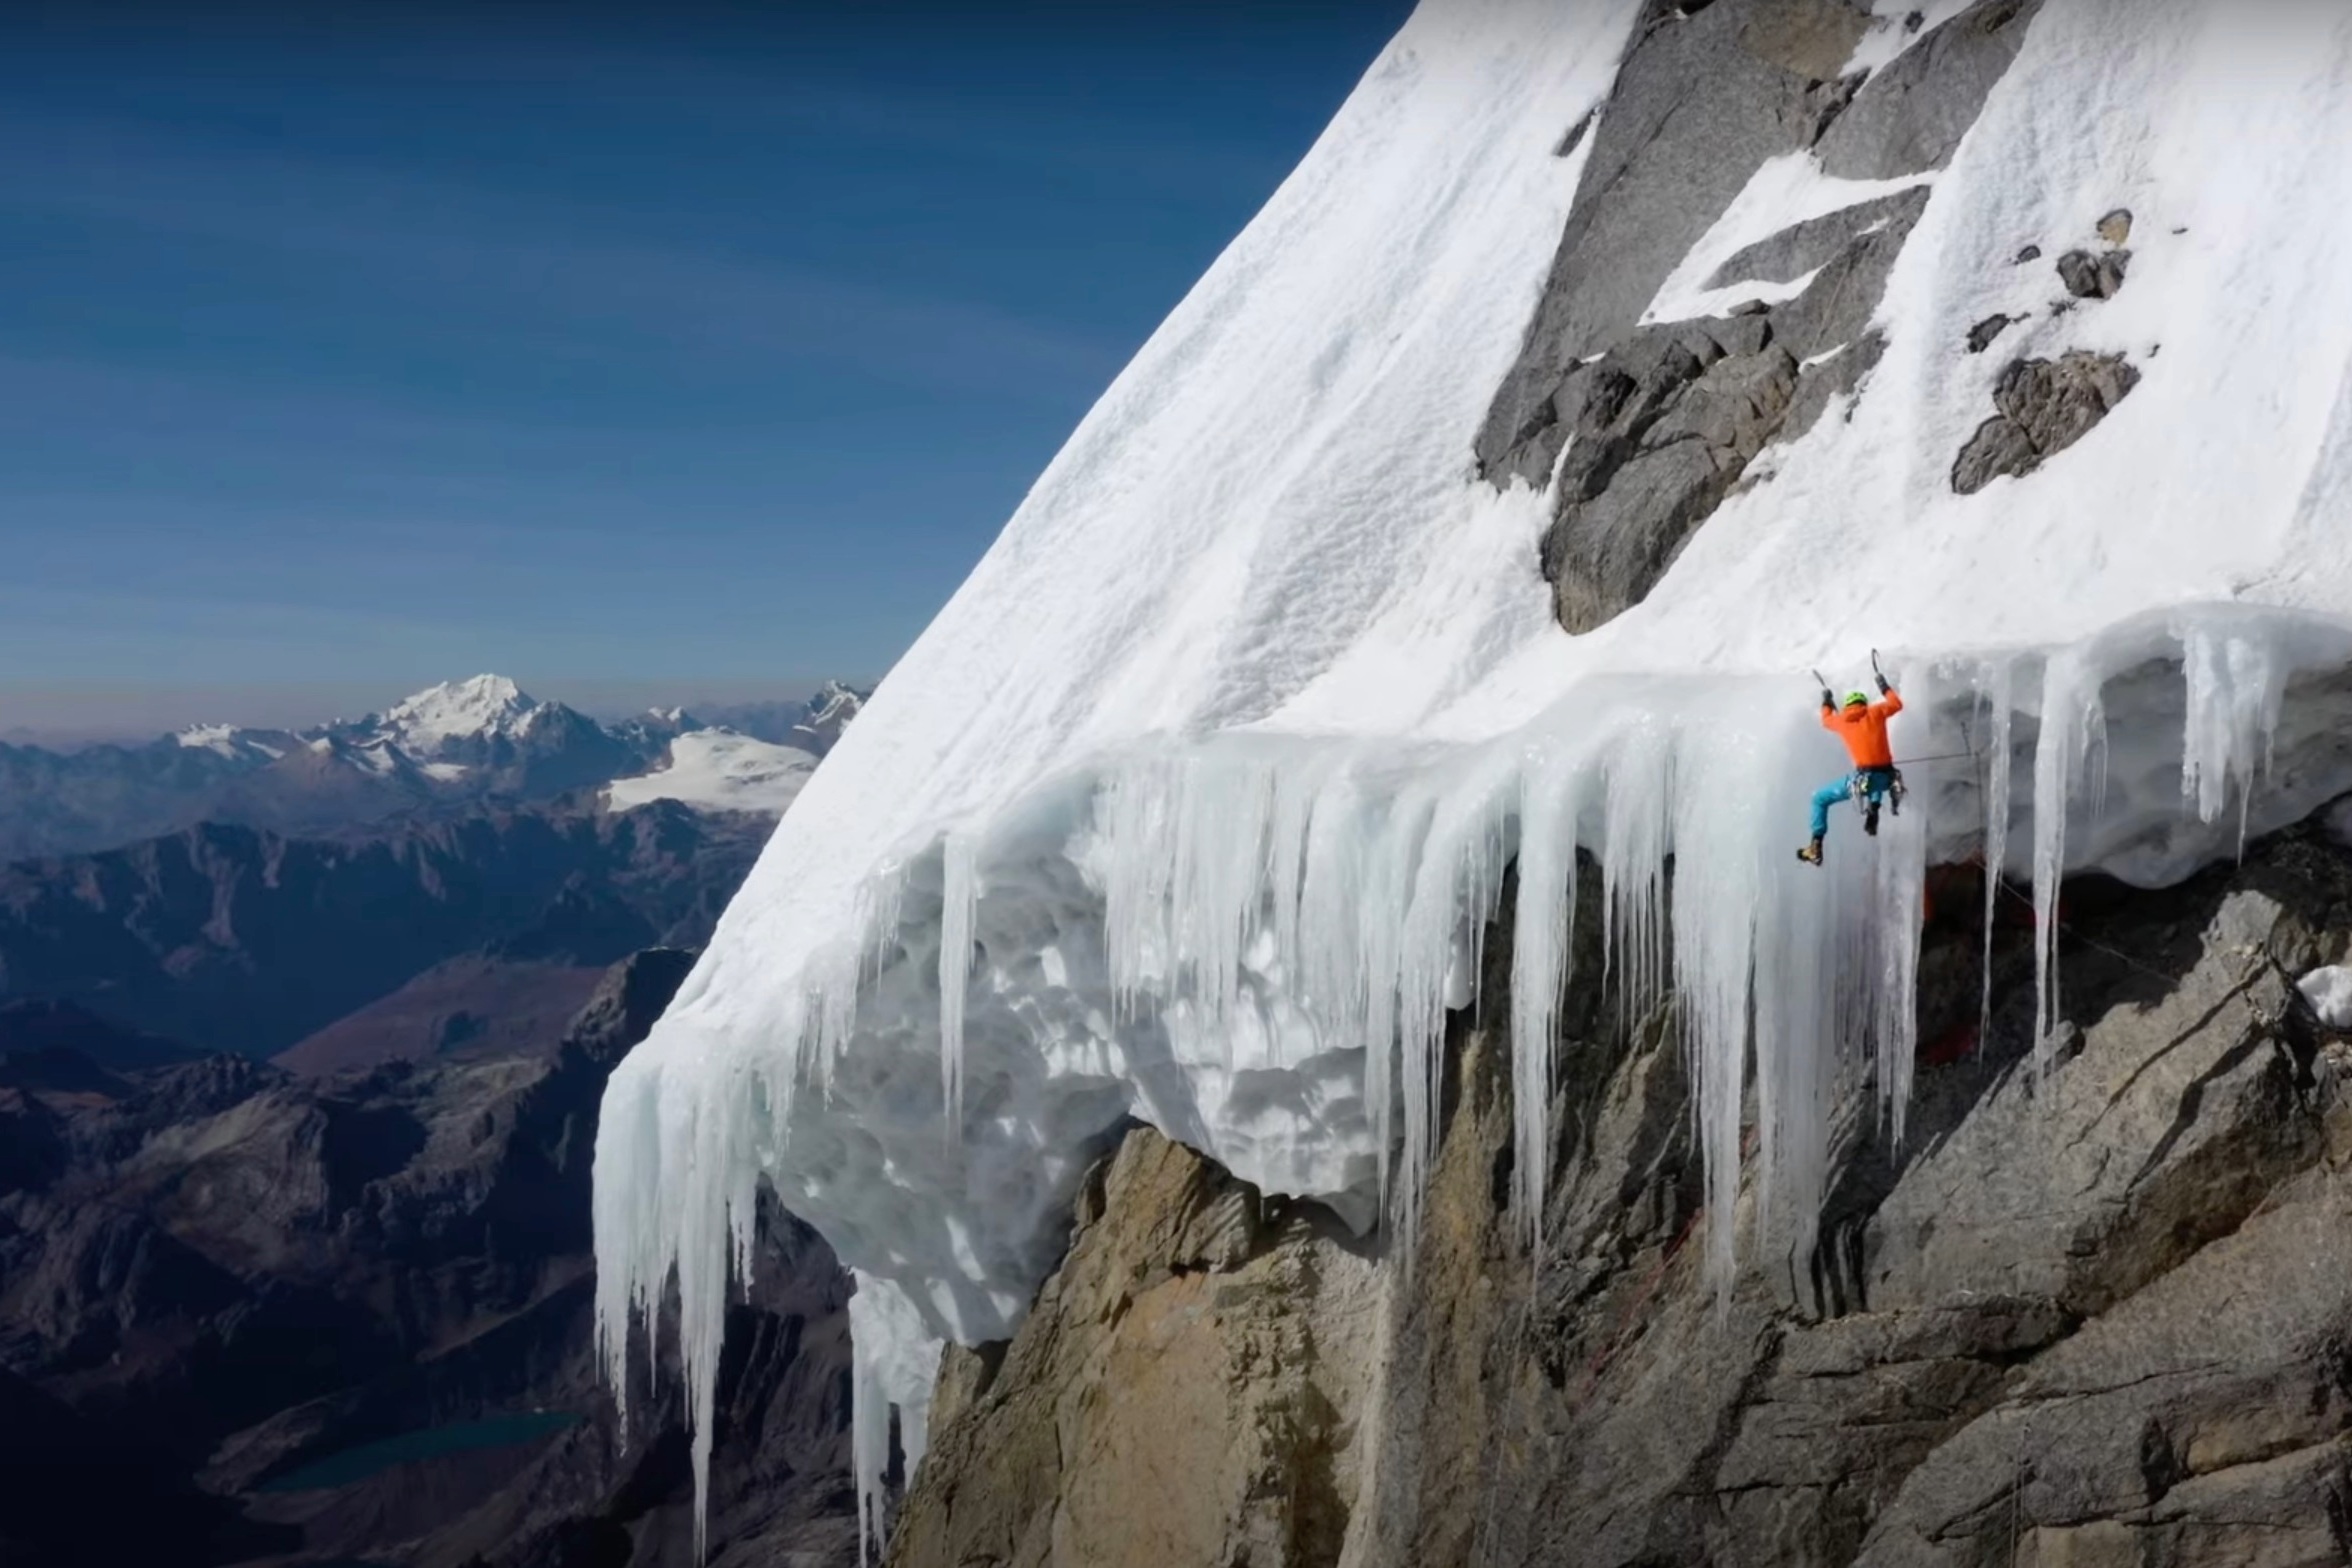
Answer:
[(1864, 730)]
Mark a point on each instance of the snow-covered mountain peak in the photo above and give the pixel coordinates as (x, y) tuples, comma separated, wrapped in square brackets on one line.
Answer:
[(479, 708), (829, 713), (832, 694)]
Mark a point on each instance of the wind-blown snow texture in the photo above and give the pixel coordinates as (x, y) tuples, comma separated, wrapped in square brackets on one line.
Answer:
[(1206, 779)]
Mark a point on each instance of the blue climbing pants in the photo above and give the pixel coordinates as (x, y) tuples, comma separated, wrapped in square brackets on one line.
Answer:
[(1872, 783)]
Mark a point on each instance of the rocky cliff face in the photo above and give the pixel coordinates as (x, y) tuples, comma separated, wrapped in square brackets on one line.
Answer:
[(2097, 1318), (1187, 1390)]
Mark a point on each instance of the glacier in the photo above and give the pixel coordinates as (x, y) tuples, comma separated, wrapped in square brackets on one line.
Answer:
[(1195, 803)]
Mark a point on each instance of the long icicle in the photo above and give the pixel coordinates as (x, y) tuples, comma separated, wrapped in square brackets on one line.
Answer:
[(1543, 940), (2000, 699), (959, 896)]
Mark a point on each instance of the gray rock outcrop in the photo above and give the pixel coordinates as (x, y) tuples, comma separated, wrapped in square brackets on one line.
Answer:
[(2045, 407), (1912, 115), (1667, 173), (1210, 1353), (1982, 335), (2089, 276), (1633, 476), (1656, 435)]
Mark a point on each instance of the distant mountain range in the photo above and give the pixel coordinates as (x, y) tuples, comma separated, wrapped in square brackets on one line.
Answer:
[(412, 940), (336, 1306), (253, 1316), (448, 748)]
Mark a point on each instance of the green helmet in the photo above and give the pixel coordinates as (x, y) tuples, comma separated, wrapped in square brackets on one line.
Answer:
[(1855, 699)]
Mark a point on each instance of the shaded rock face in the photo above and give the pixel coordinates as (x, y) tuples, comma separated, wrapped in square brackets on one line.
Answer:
[(2097, 1317), (1656, 433), (1667, 174), (1912, 115), (227, 1276), (1638, 472), (1189, 1388), (2046, 406)]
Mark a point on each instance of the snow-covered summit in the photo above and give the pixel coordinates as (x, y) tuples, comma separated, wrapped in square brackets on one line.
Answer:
[(480, 708), (1215, 841)]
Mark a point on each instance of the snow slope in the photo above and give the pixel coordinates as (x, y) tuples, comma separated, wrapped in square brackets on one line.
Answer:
[(719, 770), (1212, 843)]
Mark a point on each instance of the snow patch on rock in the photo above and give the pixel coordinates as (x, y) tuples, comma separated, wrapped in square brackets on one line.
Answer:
[(1788, 190), (1892, 31), (2329, 991)]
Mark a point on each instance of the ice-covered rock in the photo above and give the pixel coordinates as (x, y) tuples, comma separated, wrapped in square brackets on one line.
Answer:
[(2111, 1301), (2329, 991)]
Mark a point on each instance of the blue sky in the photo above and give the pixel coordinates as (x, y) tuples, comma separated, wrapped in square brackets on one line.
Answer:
[(625, 356)]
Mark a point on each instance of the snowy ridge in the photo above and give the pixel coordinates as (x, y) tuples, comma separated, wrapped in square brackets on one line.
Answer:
[(1216, 842), (719, 770), (234, 743)]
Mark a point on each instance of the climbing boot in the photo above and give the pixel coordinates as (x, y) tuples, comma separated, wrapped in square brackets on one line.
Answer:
[(1811, 853), (1895, 795), (1870, 819)]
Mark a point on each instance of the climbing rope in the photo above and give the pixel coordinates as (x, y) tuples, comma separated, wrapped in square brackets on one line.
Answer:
[(2070, 930)]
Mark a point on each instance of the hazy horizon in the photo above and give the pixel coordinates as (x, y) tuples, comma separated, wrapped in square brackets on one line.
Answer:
[(83, 715)]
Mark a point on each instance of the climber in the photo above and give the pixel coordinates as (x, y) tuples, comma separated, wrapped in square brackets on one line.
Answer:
[(1862, 725)]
